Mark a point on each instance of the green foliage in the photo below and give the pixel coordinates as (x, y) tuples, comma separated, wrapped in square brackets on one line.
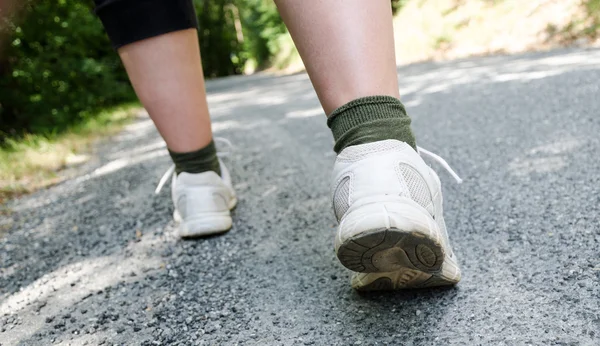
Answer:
[(234, 32), (262, 29), (397, 5), (58, 68), (218, 39), (592, 8)]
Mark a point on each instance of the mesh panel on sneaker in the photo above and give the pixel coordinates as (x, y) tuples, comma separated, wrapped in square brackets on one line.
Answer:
[(341, 198), (417, 187), (357, 152)]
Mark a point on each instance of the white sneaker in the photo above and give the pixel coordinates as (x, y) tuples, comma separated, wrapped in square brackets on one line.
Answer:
[(389, 206), (202, 202)]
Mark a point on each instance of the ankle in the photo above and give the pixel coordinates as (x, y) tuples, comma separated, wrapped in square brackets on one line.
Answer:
[(198, 161), (370, 119)]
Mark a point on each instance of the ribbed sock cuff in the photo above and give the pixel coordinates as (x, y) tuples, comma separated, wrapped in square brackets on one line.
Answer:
[(199, 161), (370, 119), (128, 21)]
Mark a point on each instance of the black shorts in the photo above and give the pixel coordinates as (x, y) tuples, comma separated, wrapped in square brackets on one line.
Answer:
[(128, 21)]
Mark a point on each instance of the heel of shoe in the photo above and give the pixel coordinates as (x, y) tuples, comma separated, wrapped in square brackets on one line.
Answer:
[(386, 237), (205, 224)]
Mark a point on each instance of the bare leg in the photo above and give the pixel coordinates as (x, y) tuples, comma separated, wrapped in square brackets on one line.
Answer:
[(166, 73), (347, 47), (162, 57)]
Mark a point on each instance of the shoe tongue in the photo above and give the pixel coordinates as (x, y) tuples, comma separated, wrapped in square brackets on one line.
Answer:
[(203, 178)]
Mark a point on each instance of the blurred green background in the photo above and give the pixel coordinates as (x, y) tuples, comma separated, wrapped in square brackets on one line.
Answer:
[(58, 67)]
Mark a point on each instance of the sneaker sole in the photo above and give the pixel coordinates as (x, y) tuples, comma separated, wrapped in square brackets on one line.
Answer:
[(407, 278), (404, 279), (391, 250)]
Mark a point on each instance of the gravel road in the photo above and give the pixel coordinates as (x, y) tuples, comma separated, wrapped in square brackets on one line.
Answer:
[(95, 260)]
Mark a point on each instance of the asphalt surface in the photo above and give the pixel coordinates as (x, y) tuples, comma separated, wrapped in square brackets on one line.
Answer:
[(95, 259)]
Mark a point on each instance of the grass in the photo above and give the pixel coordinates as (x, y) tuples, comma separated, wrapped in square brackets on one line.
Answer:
[(34, 161)]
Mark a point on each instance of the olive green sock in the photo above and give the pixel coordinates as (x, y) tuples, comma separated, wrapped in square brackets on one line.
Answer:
[(370, 119), (198, 161)]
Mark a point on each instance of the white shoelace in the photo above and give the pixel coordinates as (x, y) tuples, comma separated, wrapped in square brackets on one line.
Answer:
[(441, 161), (171, 169)]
